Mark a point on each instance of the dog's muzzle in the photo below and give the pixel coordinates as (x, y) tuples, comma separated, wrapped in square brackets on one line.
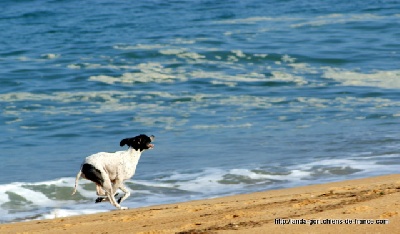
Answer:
[(151, 146)]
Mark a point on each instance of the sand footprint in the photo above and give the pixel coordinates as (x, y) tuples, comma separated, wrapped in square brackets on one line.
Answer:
[(357, 210), (388, 214)]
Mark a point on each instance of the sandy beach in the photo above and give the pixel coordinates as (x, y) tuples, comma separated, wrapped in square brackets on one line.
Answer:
[(369, 205)]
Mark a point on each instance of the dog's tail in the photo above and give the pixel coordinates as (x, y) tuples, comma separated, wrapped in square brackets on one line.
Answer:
[(76, 181)]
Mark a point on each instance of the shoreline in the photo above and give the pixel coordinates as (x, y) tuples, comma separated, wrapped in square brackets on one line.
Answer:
[(358, 206)]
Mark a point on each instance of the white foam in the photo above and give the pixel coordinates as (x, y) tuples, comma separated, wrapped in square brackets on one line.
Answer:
[(51, 56), (336, 19), (314, 102), (192, 55), (168, 122), (252, 20), (303, 68), (182, 41), (183, 53), (24, 58), (287, 59), (60, 213), (112, 101), (73, 66), (140, 47), (3, 196), (296, 22), (220, 76), (149, 72), (207, 181), (261, 55), (226, 83), (36, 198), (175, 51), (238, 53), (287, 77), (365, 165), (381, 79), (294, 175), (218, 126), (14, 121)]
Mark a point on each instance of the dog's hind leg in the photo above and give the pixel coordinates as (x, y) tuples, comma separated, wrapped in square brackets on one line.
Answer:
[(100, 191), (103, 199), (102, 194)]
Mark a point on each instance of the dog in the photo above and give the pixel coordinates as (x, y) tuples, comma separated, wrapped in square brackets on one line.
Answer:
[(109, 170)]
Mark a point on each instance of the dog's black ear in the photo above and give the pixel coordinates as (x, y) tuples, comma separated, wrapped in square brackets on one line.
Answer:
[(133, 142), (124, 142)]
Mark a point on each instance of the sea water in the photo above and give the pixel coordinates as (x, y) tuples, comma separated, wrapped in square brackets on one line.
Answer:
[(242, 96)]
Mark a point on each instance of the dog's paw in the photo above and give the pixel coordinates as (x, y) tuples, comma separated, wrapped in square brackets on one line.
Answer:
[(123, 208), (100, 199)]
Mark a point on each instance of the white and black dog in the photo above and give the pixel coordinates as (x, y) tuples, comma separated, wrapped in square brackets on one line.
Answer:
[(109, 170)]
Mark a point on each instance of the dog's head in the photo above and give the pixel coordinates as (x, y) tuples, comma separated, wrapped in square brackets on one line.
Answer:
[(140, 143)]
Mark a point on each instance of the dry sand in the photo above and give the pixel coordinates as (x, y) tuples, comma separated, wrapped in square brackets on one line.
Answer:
[(354, 206)]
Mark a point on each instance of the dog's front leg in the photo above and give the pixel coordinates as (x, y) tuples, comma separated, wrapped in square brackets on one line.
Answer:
[(108, 187), (126, 195), (118, 184)]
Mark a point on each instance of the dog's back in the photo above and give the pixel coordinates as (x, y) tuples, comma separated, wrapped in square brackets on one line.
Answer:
[(103, 158)]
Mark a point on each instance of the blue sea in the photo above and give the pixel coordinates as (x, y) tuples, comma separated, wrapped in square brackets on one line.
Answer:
[(242, 96)]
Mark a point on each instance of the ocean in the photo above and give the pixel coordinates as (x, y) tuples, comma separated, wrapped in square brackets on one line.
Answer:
[(242, 96)]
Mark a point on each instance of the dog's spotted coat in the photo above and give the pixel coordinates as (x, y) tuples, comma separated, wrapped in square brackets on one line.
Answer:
[(109, 170)]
